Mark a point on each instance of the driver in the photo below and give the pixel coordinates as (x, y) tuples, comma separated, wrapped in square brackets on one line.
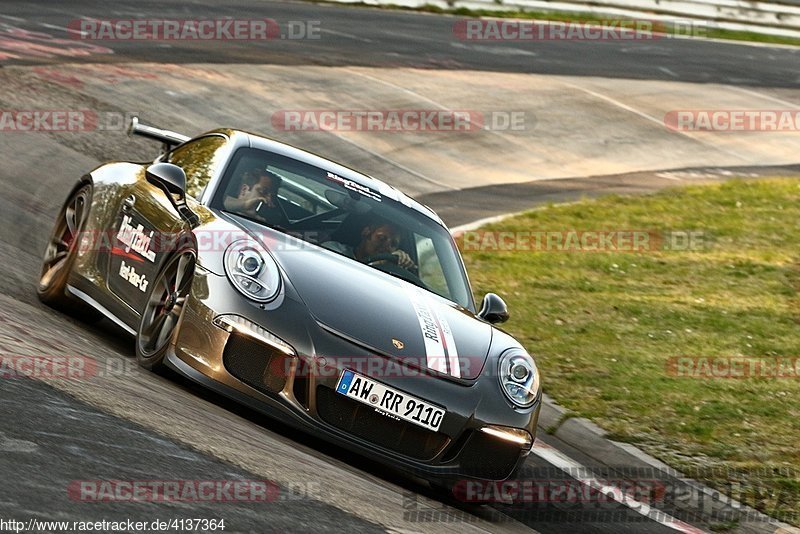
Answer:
[(378, 237), (257, 197)]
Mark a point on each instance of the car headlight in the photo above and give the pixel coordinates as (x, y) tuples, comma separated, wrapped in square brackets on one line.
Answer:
[(519, 377), (252, 270)]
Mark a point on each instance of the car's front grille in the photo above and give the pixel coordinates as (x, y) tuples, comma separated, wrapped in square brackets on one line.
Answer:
[(257, 365), (363, 421), (485, 456)]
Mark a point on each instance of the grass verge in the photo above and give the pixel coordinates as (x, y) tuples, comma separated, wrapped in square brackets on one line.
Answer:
[(609, 328)]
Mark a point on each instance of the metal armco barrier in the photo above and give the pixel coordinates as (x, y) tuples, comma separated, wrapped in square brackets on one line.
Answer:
[(772, 18)]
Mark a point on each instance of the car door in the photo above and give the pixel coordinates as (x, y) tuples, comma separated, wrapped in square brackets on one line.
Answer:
[(147, 224), (141, 240)]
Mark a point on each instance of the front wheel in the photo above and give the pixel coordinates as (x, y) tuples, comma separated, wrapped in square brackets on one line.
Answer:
[(60, 254), (165, 301)]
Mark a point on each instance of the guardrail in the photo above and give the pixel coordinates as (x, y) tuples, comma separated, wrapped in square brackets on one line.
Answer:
[(771, 18)]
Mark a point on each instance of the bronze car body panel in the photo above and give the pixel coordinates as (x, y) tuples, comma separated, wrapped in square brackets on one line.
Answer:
[(331, 307)]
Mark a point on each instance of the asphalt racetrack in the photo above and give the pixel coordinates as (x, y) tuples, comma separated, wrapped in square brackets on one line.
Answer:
[(592, 121)]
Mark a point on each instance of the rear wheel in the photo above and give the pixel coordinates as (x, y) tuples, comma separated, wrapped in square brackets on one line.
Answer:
[(60, 254), (442, 490), (165, 303)]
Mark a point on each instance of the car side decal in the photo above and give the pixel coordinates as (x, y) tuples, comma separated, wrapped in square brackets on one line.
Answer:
[(135, 238), (116, 251), (440, 346), (132, 258), (128, 272)]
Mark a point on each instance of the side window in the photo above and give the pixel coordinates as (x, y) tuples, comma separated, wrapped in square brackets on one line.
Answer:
[(198, 159), (430, 270)]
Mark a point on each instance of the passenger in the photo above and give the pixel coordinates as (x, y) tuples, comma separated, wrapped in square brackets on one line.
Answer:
[(258, 197)]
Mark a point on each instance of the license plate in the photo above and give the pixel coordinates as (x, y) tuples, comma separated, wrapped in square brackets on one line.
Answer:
[(389, 401)]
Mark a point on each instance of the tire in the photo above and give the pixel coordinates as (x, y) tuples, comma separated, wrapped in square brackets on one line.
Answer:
[(165, 300), (60, 254), (443, 491)]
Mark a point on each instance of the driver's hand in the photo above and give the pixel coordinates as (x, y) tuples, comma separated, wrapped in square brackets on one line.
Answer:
[(404, 260), (251, 204)]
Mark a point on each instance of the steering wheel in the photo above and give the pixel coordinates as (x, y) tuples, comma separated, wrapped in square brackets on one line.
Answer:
[(387, 257), (392, 266)]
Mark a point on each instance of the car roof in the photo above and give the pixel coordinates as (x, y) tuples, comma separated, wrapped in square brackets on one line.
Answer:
[(242, 138)]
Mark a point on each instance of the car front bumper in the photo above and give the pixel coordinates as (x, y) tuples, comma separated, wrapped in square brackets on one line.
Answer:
[(294, 387)]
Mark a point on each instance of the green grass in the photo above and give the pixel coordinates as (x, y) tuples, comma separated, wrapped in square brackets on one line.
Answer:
[(603, 326), (562, 16)]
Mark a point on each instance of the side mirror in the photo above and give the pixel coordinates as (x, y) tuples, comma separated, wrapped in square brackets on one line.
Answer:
[(169, 176), (172, 180), (494, 309)]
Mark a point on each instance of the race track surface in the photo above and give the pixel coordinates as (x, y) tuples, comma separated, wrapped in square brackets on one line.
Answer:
[(593, 124)]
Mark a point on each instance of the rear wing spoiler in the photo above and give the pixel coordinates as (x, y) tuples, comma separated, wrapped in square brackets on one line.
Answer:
[(167, 138)]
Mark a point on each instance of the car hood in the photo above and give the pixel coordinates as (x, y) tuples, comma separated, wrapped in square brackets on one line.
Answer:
[(378, 311)]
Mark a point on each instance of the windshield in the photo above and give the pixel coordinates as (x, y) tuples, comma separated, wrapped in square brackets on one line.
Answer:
[(352, 220)]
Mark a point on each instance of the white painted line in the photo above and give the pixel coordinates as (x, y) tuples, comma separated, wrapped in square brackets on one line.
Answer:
[(84, 17), (767, 97), (621, 105), (668, 176), (497, 51), (573, 469), (69, 30), (715, 495), (406, 36), (757, 44), (9, 17), (667, 35), (474, 225), (348, 35), (401, 88), (456, 230), (395, 163), (507, 138), (650, 118), (668, 72)]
